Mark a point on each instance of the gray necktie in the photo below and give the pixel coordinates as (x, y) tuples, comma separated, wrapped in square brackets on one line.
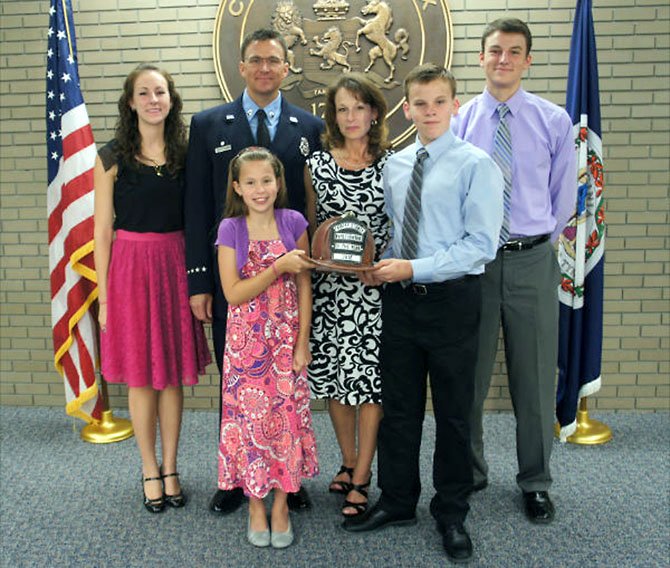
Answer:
[(410, 223), (262, 133), (502, 155)]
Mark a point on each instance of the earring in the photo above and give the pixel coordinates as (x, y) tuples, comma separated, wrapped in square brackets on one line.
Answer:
[(373, 122)]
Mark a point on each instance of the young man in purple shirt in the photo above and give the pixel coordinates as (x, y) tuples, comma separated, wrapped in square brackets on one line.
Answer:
[(531, 139)]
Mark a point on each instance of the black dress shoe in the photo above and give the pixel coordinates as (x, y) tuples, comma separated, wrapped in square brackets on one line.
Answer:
[(153, 505), (377, 518), (179, 499), (538, 506), (299, 501), (225, 502), (457, 543), (480, 486)]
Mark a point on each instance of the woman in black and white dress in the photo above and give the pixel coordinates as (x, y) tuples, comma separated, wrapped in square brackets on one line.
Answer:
[(346, 324)]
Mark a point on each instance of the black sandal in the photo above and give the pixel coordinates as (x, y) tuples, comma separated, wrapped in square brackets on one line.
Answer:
[(341, 487), (360, 508), (153, 505), (178, 500)]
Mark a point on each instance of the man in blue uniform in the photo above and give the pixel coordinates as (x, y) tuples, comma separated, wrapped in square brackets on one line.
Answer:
[(260, 116)]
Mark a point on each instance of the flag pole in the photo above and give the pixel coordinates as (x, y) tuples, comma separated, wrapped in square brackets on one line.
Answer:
[(588, 432), (108, 429)]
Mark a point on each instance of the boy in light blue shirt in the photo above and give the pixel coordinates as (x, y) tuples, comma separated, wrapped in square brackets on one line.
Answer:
[(444, 197)]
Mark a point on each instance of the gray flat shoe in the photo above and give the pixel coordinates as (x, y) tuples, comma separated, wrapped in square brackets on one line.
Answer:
[(282, 539), (258, 538)]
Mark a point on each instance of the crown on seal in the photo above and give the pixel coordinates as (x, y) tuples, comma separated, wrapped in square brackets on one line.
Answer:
[(330, 9)]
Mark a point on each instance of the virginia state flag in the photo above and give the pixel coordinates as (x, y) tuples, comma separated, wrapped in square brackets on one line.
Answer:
[(582, 244)]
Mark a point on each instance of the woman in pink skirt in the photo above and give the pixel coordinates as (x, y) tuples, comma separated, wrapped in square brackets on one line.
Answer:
[(149, 338)]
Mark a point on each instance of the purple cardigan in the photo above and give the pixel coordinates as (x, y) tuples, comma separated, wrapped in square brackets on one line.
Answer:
[(233, 233)]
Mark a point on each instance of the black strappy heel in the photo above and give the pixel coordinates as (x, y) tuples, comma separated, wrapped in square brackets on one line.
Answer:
[(360, 508), (342, 487)]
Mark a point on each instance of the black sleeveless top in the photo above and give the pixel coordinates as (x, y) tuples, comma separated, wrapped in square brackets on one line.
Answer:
[(144, 202)]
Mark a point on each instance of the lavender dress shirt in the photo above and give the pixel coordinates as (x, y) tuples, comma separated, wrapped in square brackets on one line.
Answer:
[(544, 163)]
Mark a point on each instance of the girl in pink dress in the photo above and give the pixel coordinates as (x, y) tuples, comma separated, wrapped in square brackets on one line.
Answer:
[(149, 338), (267, 442)]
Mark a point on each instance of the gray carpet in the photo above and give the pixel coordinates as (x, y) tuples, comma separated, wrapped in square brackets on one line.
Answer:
[(69, 503)]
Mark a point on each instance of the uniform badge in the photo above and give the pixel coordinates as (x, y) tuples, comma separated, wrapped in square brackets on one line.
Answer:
[(222, 147), (304, 146)]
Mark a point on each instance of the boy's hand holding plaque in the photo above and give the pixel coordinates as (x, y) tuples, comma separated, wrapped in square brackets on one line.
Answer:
[(343, 244)]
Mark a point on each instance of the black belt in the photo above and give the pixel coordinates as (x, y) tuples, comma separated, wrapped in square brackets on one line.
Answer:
[(524, 243), (426, 289)]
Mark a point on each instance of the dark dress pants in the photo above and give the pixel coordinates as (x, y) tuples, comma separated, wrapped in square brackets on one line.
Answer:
[(436, 335)]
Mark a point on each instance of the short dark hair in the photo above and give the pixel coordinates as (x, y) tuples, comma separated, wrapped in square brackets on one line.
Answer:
[(263, 34), (364, 90), (508, 26), (429, 72), (235, 206)]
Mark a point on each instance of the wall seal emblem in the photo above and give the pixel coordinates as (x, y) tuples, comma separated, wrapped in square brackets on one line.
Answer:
[(382, 38)]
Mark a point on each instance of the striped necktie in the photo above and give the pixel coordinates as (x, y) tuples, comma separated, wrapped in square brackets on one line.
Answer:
[(262, 133), (502, 155), (410, 223)]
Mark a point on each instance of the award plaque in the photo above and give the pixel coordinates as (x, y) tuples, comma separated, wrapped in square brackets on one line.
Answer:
[(343, 244)]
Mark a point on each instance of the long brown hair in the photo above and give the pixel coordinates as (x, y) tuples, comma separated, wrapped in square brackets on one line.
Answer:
[(127, 133), (235, 206), (367, 92)]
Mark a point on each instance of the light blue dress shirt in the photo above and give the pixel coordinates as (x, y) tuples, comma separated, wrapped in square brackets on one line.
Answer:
[(272, 111), (461, 208)]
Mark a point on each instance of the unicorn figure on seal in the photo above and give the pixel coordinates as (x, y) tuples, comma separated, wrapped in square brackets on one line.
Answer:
[(376, 30)]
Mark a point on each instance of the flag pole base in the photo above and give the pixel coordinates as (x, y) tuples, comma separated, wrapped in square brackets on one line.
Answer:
[(589, 432), (108, 430)]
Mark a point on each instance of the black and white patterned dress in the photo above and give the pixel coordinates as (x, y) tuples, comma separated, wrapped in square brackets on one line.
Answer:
[(346, 319)]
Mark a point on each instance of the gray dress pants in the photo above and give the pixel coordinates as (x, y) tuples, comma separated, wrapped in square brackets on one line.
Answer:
[(520, 291)]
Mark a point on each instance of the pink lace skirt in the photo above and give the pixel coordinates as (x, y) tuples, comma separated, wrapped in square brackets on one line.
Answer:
[(151, 337)]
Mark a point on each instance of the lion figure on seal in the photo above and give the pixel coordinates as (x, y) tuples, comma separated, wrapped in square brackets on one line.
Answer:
[(327, 47), (288, 22)]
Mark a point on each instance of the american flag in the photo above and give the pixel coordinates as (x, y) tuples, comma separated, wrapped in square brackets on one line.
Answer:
[(71, 156)]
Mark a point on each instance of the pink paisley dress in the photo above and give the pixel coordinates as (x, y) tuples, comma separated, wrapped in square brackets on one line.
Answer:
[(267, 439)]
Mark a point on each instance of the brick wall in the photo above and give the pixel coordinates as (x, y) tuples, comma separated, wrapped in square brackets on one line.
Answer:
[(633, 49)]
